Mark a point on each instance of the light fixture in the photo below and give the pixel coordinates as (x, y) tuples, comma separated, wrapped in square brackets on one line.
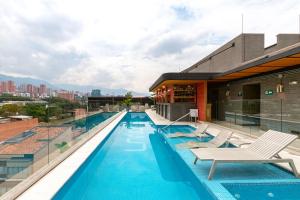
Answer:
[(293, 83), (279, 88), (227, 93)]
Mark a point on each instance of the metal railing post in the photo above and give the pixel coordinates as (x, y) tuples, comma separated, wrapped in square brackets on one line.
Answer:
[(175, 121)]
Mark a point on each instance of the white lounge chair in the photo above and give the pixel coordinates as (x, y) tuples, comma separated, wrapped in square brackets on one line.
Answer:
[(199, 132), (221, 137), (264, 150)]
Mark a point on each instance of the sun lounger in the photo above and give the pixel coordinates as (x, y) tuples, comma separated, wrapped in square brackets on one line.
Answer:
[(220, 138), (264, 150), (199, 132)]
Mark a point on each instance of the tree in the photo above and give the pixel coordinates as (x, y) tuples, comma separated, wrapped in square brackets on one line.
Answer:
[(128, 100), (55, 111), (10, 109), (64, 104), (36, 110)]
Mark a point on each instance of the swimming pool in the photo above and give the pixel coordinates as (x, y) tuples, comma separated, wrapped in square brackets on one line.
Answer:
[(264, 191), (134, 162), (91, 121)]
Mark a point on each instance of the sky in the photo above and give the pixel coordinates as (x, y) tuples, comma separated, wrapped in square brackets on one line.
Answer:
[(127, 44)]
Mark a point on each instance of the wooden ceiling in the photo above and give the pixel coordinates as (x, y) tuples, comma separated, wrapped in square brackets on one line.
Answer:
[(266, 67)]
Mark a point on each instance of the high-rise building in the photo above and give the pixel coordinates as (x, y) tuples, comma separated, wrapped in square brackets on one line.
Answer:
[(29, 89), (22, 88), (36, 91), (3, 87), (7, 87), (96, 93), (11, 87), (43, 90)]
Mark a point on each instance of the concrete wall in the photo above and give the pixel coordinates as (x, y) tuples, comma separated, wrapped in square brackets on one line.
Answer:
[(283, 40), (242, 48)]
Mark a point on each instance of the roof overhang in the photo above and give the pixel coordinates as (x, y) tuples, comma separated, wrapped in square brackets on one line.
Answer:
[(278, 60), (181, 78), (285, 58)]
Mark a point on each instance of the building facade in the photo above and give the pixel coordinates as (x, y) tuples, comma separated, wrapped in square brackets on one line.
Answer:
[(66, 95), (241, 83)]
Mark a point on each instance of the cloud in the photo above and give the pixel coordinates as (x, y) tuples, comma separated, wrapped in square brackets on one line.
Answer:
[(182, 12), (170, 45), (129, 45), (39, 46), (52, 28)]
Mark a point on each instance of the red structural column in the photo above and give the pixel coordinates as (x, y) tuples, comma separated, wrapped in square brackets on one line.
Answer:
[(202, 100)]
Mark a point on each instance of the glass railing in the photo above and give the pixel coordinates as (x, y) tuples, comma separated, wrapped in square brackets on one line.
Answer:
[(255, 116), (111, 106), (37, 135)]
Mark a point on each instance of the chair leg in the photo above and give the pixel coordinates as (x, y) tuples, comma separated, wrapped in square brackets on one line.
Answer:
[(294, 169), (212, 170), (195, 161)]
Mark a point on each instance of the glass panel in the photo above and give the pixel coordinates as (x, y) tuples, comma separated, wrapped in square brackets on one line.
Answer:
[(291, 118), (254, 117), (36, 133)]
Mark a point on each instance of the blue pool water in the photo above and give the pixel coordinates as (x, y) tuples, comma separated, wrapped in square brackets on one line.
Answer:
[(264, 191), (135, 162), (91, 121)]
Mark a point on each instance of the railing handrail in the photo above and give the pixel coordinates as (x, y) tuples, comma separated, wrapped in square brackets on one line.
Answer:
[(176, 120)]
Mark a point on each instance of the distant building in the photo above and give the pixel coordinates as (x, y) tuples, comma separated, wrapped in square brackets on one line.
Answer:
[(43, 90), (66, 95), (96, 93), (3, 87), (36, 91), (51, 92), (29, 89), (79, 113), (11, 86), (7, 87), (22, 88), (25, 153)]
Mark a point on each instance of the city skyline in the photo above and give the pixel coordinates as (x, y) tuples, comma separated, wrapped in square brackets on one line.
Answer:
[(35, 91), (43, 91)]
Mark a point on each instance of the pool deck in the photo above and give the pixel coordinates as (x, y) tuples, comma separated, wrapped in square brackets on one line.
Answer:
[(251, 173)]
